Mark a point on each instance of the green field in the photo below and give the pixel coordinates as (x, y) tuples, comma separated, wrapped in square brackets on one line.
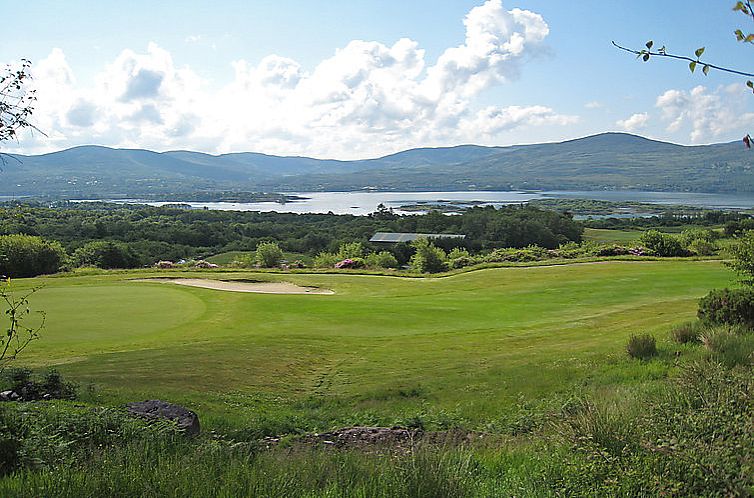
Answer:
[(381, 350), (604, 235)]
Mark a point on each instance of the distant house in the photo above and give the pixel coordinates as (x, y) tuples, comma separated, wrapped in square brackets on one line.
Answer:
[(393, 238)]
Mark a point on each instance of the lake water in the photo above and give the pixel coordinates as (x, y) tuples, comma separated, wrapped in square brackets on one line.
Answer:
[(361, 203)]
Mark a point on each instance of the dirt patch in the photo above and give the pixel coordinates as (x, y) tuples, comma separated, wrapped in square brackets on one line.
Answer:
[(241, 286)]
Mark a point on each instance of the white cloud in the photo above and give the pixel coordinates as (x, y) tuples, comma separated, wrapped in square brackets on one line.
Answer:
[(367, 99), (706, 114), (594, 105), (634, 122)]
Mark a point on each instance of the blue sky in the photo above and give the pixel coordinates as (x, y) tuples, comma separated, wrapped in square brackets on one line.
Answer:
[(361, 78)]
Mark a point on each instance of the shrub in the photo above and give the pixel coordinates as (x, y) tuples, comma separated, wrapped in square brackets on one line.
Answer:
[(383, 259), (28, 256), (31, 387), (106, 254), (693, 438), (612, 250), (349, 264), (642, 346), (325, 260), (742, 257), (728, 347), (727, 306), (662, 244), (427, 258), (350, 250), (527, 254), (685, 333), (268, 254), (458, 252)]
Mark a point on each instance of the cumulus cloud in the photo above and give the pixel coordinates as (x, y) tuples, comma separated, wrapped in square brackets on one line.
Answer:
[(634, 122), (705, 114), (368, 98)]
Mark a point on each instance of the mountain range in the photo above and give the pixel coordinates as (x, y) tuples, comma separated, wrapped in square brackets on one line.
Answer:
[(604, 161)]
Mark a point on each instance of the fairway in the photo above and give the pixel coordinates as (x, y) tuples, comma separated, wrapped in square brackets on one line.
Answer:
[(380, 349)]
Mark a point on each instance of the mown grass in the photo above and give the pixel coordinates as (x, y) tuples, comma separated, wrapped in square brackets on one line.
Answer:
[(458, 350), (604, 235)]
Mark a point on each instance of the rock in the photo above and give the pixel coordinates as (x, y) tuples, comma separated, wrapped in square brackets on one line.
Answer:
[(6, 395), (47, 396), (155, 409)]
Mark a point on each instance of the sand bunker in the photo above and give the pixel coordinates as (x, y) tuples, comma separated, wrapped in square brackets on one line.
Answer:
[(241, 286)]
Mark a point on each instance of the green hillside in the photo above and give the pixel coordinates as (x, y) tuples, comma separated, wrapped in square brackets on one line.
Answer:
[(606, 161)]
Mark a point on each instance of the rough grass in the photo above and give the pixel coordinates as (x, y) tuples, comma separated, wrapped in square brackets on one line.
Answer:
[(459, 350)]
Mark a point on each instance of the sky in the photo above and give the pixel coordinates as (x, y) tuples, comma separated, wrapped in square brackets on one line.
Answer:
[(366, 78)]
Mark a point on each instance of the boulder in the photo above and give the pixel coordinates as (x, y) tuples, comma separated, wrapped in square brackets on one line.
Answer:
[(8, 396), (156, 409)]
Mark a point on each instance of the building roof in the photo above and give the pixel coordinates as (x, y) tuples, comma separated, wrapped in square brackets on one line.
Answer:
[(409, 237)]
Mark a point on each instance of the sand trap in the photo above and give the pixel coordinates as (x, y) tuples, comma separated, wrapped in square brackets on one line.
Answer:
[(240, 286)]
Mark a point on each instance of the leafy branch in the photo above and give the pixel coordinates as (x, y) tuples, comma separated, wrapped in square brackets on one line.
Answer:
[(16, 102), (18, 335), (647, 53)]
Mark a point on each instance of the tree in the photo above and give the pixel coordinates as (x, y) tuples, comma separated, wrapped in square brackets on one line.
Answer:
[(16, 100), (268, 254), (106, 254), (428, 258), (29, 256), (662, 244), (696, 61), (17, 335)]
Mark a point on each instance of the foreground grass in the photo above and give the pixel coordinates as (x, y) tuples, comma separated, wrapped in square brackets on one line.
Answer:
[(467, 350), (693, 437)]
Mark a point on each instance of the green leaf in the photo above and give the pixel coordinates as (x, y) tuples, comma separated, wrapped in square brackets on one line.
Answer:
[(692, 66), (699, 51), (705, 69), (649, 44), (646, 57), (750, 84)]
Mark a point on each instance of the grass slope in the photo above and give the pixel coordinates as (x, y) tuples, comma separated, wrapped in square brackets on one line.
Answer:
[(381, 350)]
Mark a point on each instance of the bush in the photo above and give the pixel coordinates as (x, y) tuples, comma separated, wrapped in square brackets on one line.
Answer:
[(350, 250), (30, 387), (685, 333), (693, 438), (728, 347), (742, 257), (383, 259), (325, 260), (662, 244), (642, 347), (427, 258), (268, 254), (106, 254), (28, 256), (525, 255), (727, 306), (612, 250)]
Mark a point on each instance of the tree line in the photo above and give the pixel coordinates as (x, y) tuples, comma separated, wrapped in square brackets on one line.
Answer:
[(108, 235)]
